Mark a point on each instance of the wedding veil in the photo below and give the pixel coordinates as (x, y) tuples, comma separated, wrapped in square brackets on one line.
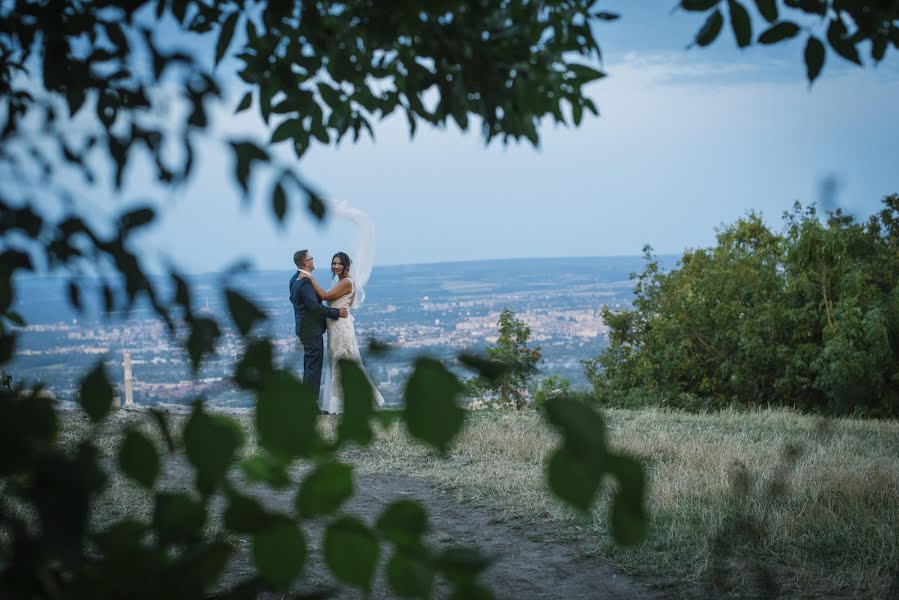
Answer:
[(363, 257)]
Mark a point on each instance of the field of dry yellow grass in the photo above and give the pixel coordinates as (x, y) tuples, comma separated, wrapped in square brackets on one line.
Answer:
[(768, 503), (748, 504)]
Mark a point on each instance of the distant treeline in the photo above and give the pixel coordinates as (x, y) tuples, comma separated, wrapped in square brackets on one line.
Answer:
[(807, 318)]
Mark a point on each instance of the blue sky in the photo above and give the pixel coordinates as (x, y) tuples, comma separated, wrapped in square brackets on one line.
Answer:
[(687, 140)]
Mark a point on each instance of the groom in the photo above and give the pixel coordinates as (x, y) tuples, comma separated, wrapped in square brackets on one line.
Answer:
[(309, 314)]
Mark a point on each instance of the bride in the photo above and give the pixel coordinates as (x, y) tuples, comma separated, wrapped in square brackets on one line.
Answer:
[(346, 293)]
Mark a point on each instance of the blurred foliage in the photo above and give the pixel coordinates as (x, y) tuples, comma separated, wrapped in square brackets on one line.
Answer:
[(844, 27), (91, 89), (510, 384), (806, 318)]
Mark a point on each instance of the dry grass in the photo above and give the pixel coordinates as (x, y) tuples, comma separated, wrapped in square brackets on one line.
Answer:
[(763, 503), (768, 503)]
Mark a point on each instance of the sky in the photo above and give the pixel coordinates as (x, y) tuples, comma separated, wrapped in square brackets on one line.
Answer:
[(687, 140)]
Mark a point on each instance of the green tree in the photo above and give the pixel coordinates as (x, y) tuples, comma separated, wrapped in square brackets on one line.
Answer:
[(806, 318), (511, 350)]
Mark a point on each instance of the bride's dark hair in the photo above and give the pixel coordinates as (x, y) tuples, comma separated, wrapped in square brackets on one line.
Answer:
[(344, 260)]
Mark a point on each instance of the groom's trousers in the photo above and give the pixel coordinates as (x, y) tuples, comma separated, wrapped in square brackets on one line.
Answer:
[(313, 358)]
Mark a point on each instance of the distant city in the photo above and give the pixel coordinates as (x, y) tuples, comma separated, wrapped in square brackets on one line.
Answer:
[(437, 310)]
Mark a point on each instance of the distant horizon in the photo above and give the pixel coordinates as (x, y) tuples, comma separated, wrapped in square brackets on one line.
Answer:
[(34, 276)]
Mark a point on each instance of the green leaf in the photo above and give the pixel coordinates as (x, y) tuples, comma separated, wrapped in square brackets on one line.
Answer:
[(135, 219), (628, 510), (316, 206), (779, 32), (710, 29), (404, 522), (177, 518), (432, 411), (585, 74), (121, 538), (461, 566), (95, 393), (740, 23), (211, 442), (358, 405), (698, 5), (138, 458), (768, 9), (288, 129), (573, 479), (814, 58), (409, 575), (255, 366), (244, 313), (245, 102), (280, 553), (325, 489), (279, 202), (264, 468), (351, 552), (246, 515), (837, 36), (225, 36), (330, 95), (204, 333), (286, 414), (491, 370), (606, 16)]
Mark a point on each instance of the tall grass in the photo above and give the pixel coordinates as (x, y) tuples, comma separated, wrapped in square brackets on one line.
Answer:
[(769, 503)]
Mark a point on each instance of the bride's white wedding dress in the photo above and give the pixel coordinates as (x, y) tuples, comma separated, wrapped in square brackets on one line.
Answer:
[(342, 344)]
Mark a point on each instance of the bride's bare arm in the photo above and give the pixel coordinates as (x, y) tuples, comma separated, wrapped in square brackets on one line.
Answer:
[(340, 289)]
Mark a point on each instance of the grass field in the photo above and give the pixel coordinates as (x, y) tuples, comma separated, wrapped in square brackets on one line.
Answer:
[(768, 503)]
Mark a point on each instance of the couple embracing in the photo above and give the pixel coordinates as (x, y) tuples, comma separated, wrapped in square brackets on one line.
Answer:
[(313, 318)]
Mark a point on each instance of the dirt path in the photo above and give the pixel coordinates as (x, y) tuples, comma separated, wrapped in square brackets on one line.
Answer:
[(533, 561)]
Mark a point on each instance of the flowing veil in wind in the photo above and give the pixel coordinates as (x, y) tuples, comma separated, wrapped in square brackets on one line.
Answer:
[(364, 253)]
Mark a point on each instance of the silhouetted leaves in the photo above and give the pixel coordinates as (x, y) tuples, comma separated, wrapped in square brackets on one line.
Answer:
[(211, 443), (255, 365), (710, 29), (491, 370), (814, 58), (246, 515), (138, 458), (204, 333), (225, 35), (461, 565), (838, 37), (280, 552), (739, 21), (245, 102), (698, 5), (325, 489), (265, 468), (177, 518), (768, 9), (95, 393), (432, 411), (351, 552), (410, 575), (279, 202), (286, 414), (779, 32), (244, 313), (135, 219), (403, 522), (358, 405)]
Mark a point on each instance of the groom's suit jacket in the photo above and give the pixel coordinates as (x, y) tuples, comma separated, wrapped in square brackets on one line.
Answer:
[(308, 311)]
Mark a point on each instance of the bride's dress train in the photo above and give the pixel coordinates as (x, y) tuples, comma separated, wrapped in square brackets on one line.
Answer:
[(342, 344)]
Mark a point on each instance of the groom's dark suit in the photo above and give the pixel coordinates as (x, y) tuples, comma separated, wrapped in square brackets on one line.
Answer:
[(309, 314)]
